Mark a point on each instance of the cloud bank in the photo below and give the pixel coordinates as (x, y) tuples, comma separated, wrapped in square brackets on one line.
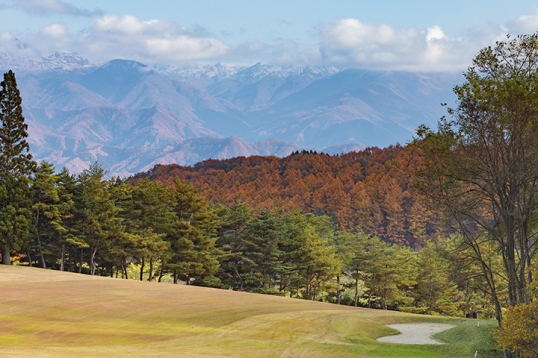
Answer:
[(350, 42), (129, 36), (344, 43)]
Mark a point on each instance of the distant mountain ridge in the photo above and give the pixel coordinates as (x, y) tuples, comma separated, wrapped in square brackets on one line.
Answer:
[(130, 116)]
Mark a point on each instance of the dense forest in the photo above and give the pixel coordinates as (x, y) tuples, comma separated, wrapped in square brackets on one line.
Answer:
[(372, 189)]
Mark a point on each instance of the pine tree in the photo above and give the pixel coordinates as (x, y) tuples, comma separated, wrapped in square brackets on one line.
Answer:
[(148, 208), (193, 244), (235, 220), (16, 167), (67, 186), (262, 259), (97, 220), (309, 260), (46, 207)]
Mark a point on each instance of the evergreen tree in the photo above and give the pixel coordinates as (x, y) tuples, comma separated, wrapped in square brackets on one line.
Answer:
[(148, 209), (263, 259), (67, 242), (67, 187), (46, 208), (235, 220), (193, 243), (16, 167), (97, 221), (309, 258)]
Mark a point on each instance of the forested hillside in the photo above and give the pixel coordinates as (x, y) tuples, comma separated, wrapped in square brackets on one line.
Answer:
[(371, 189)]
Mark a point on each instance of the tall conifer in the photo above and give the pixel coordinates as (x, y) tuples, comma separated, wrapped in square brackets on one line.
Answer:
[(16, 167)]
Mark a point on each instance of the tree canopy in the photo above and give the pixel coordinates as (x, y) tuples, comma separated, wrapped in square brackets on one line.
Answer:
[(480, 164)]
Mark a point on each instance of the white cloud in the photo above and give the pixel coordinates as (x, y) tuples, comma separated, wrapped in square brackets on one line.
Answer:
[(54, 30), (526, 23), (153, 40), (435, 33), (127, 24), (110, 37), (7, 36), (350, 42)]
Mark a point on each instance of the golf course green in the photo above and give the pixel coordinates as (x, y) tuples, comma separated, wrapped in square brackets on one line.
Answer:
[(46, 313)]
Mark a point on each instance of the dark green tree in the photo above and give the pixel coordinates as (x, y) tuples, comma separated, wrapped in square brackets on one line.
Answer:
[(193, 242), (309, 258), (262, 260), (47, 208), (16, 168), (68, 243), (97, 220), (147, 208), (234, 221)]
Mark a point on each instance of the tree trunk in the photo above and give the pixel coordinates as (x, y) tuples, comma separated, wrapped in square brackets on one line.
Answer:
[(92, 260), (357, 290), (43, 264), (80, 260), (6, 257), (338, 291), (142, 270), (175, 276), (238, 278), (63, 257), (75, 249), (39, 246), (30, 263), (150, 278)]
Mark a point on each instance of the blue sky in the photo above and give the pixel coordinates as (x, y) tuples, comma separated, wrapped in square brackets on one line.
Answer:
[(411, 35)]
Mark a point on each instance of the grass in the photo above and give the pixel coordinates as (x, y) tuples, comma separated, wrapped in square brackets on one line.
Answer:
[(47, 313)]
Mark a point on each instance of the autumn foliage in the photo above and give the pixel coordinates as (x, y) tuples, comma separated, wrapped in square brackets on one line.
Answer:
[(371, 189)]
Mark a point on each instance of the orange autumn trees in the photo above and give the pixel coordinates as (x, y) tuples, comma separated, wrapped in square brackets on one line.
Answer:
[(371, 189)]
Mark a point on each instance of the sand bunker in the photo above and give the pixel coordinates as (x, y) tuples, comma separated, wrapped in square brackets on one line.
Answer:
[(415, 333)]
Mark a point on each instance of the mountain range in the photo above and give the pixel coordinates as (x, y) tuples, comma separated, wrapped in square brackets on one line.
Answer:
[(130, 116)]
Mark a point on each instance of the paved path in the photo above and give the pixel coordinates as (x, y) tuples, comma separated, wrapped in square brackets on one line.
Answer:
[(415, 333)]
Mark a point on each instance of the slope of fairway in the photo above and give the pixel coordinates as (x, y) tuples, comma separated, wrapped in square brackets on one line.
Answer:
[(53, 314)]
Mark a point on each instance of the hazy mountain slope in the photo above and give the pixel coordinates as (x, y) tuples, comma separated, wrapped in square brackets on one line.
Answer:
[(128, 115), (257, 87), (373, 108), (57, 92)]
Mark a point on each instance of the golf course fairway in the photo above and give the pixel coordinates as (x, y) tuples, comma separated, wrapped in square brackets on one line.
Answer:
[(46, 313)]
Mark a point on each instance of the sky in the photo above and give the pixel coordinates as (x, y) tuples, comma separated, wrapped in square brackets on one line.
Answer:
[(412, 35)]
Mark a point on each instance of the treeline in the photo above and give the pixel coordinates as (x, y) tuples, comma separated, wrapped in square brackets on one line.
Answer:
[(372, 189), (156, 232)]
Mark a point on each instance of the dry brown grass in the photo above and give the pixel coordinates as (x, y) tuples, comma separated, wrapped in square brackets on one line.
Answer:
[(47, 313)]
